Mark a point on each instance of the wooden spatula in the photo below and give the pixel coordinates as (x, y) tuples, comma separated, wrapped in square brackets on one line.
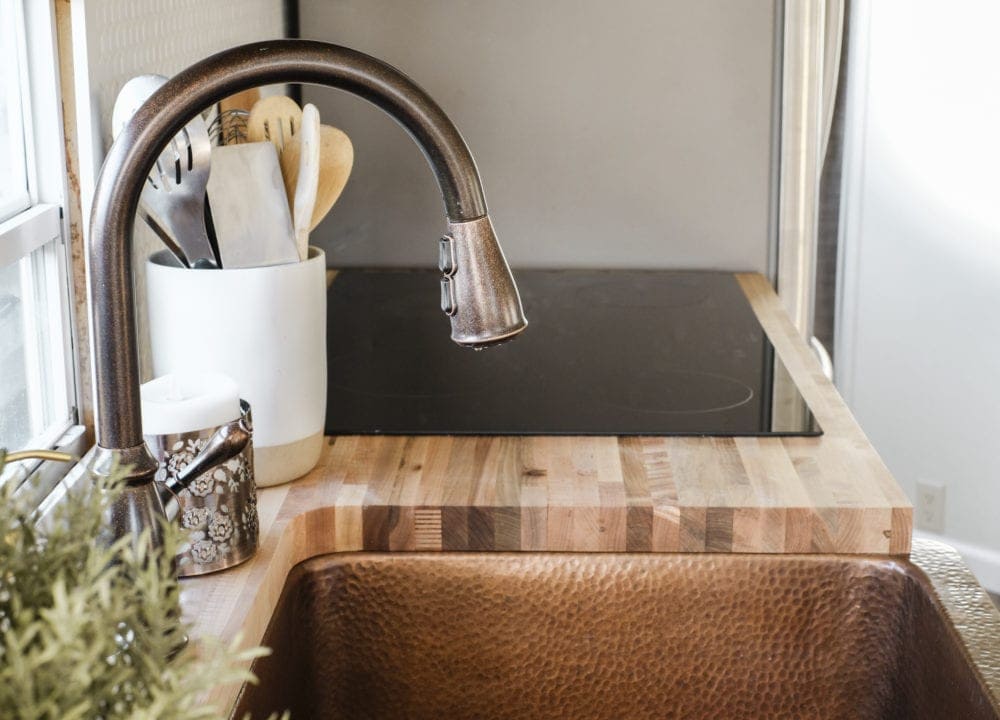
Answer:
[(275, 119), (336, 158)]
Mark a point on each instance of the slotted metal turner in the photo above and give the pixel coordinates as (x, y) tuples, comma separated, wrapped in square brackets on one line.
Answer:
[(175, 191), (174, 195)]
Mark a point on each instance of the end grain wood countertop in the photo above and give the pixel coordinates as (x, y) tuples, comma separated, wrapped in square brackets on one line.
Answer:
[(826, 494)]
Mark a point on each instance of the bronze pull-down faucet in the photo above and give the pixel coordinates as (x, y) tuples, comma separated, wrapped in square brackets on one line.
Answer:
[(477, 290)]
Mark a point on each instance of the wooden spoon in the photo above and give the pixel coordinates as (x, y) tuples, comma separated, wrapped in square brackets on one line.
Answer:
[(336, 158), (307, 178), (275, 119)]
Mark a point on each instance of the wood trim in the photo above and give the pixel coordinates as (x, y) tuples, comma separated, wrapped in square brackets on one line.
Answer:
[(77, 265)]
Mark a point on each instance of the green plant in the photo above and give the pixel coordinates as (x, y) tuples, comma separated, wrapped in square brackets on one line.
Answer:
[(91, 631)]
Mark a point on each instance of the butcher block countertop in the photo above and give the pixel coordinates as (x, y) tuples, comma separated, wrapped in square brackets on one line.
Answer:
[(825, 494)]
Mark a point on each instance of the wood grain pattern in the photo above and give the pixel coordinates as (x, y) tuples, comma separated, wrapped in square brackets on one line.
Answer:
[(827, 494)]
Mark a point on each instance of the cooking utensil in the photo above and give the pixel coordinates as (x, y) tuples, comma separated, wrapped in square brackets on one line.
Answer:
[(233, 114), (173, 198), (336, 155), (307, 178), (252, 221), (175, 191), (130, 98), (229, 127), (275, 119), (161, 232), (336, 158)]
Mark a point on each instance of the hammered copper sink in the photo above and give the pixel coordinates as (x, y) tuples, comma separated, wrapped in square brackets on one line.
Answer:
[(526, 635)]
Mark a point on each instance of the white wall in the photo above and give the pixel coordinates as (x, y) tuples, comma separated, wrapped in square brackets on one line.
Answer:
[(114, 40), (920, 332), (633, 133)]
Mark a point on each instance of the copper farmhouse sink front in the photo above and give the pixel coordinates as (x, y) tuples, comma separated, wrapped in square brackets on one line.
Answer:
[(552, 635)]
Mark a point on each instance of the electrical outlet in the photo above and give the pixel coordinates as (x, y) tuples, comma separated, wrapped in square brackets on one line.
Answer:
[(930, 506)]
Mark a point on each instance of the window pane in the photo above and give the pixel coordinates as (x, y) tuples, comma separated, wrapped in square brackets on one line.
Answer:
[(34, 400), (15, 424), (13, 172)]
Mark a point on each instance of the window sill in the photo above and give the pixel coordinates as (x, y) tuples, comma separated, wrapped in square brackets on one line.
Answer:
[(38, 480)]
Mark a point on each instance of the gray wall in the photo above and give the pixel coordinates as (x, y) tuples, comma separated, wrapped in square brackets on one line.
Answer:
[(609, 134)]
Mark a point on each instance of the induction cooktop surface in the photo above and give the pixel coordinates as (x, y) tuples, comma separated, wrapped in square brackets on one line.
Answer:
[(605, 353)]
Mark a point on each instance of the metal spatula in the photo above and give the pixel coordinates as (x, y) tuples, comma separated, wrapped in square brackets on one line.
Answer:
[(173, 200), (252, 221), (175, 191)]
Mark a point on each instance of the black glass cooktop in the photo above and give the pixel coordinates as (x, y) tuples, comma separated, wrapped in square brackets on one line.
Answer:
[(605, 353)]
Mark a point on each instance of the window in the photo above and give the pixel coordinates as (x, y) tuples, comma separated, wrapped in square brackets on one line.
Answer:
[(37, 385), (13, 150)]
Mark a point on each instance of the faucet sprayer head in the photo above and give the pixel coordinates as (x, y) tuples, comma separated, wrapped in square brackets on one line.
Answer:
[(478, 291)]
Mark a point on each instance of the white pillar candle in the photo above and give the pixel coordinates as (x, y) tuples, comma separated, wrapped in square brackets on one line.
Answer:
[(187, 401)]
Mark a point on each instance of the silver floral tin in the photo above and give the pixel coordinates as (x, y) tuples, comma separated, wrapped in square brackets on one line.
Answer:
[(216, 507)]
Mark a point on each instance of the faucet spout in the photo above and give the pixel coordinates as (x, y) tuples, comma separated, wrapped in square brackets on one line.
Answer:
[(478, 290)]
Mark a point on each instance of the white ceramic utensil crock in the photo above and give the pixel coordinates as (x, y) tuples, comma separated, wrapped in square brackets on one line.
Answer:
[(266, 328)]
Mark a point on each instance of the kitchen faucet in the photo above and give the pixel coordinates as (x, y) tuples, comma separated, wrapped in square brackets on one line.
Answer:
[(477, 291)]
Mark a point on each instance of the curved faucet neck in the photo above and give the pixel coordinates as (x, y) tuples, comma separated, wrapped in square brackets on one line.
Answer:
[(168, 110)]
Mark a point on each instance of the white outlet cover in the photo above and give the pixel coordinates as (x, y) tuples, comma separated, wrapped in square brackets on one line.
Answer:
[(930, 506)]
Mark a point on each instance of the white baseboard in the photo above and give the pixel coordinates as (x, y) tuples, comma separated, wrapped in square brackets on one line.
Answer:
[(984, 562)]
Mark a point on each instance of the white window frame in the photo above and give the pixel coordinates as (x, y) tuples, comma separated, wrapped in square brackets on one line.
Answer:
[(15, 203), (44, 223)]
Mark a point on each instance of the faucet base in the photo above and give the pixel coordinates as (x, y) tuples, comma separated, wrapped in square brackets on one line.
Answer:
[(138, 509), (138, 462)]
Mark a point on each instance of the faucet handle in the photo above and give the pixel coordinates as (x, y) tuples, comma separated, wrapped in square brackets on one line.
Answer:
[(482, 298)]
